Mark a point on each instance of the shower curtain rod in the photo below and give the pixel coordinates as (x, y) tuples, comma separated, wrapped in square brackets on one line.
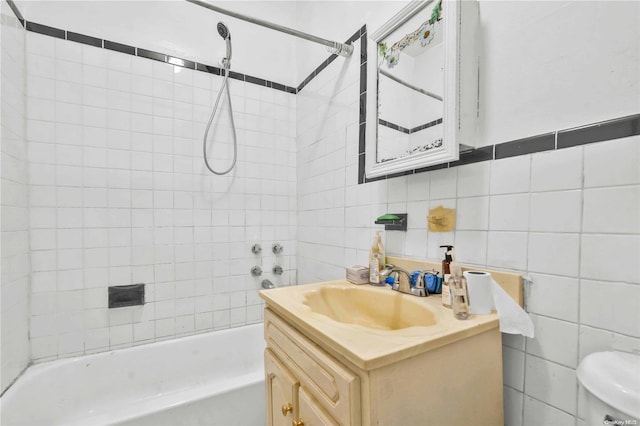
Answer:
[(337, 48), (409, 85)]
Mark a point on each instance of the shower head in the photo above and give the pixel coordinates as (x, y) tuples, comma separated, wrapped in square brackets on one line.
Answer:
[(223, 30)]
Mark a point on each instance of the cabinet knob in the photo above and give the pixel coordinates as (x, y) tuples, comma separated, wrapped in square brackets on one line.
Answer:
[(298, 422), (287, 408)]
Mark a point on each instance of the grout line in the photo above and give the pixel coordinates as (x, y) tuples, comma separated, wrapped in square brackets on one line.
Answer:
[(547, 404), (579, 275), (547, 359)]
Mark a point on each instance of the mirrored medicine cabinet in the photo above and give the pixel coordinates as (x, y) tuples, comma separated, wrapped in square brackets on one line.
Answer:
[(422, 76)]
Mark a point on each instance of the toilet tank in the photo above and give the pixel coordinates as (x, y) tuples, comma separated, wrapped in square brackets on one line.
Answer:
[(612, 383)]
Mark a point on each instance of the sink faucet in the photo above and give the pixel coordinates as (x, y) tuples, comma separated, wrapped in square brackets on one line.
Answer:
[(418, 290)]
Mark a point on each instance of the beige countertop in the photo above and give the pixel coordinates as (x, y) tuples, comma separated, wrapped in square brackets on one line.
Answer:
[(370, 348)]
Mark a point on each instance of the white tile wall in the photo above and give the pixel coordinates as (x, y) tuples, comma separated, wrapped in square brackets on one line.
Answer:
[(556, 170), (625, 162), (578, 242), (551, 383), (120, 195), (554, 296), (509, 212), (513, 368), (621, 253), (472, 213), (474, 180), (554, 253), (512, 406), (549, 332), (511, 175), (615, 308), (558, 211), (537, 413), (612, 210), (15, 351), (507, 250)]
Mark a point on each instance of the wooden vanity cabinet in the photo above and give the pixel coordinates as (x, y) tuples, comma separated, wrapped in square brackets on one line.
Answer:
[(321, 391), (459, 383)]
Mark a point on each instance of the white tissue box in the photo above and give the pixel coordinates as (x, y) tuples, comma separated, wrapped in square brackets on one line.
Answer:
[(358, 274)]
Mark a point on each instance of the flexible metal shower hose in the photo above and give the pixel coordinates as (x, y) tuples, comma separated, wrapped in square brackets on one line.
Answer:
[(225, 85)]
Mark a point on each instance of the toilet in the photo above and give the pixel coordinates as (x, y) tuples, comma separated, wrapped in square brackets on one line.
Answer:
[(612, 383)]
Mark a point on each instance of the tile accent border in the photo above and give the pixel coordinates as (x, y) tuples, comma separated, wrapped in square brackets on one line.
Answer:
[(611, 129), (362, 122), (409, 131), (143, 53), (393, 126), (597, 132), (524, 146), (16, 12)]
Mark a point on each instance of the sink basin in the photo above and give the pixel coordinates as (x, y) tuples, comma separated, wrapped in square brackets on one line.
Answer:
[(370, 307)]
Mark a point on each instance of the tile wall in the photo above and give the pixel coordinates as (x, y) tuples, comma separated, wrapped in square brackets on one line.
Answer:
[(327, 117), (568, 219), (14, 211), (119, 195)]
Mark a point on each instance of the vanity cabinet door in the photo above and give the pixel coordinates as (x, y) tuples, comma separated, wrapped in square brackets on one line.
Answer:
[(282, 392), (310, 412), (333, 386)]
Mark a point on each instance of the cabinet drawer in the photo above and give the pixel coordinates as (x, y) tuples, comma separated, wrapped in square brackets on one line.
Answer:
[(336, 388)]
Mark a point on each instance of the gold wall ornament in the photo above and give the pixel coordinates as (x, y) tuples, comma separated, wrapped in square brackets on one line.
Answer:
[(441, 219)]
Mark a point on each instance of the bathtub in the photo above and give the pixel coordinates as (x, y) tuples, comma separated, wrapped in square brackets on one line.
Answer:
[(215, 378)]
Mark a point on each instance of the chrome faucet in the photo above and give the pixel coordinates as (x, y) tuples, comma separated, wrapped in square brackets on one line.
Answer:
[(418, 290), (267, 284)]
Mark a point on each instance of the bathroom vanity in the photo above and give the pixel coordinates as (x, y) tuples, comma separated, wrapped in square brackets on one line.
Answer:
[(343, 354)]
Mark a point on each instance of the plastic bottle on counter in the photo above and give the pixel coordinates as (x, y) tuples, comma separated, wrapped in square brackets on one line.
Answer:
[(377, 258), (459, 293), (446, 272)]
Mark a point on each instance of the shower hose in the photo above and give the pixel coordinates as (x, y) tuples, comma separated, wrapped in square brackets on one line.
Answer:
[(225, 86)]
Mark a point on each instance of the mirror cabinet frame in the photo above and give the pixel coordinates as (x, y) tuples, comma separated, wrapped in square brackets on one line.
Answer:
[(460, 104)]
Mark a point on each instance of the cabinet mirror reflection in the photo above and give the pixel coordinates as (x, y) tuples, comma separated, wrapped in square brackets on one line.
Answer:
[(411, 86)]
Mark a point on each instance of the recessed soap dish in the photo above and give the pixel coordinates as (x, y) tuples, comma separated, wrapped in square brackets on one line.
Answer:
[(393, 222)]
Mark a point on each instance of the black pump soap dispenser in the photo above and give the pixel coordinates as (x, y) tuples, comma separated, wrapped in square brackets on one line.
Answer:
[(446, 271)]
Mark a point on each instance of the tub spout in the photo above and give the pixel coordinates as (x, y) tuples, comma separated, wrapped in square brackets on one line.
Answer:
[(267, 284)]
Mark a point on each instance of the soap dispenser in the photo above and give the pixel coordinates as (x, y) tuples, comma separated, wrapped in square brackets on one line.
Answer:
[(446, 271), (376, 260)]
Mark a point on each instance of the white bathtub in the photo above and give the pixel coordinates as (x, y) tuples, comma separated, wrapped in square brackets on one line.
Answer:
[(208, 379)]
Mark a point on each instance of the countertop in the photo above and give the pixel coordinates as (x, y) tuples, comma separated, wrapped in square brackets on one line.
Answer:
[(369, 348)]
